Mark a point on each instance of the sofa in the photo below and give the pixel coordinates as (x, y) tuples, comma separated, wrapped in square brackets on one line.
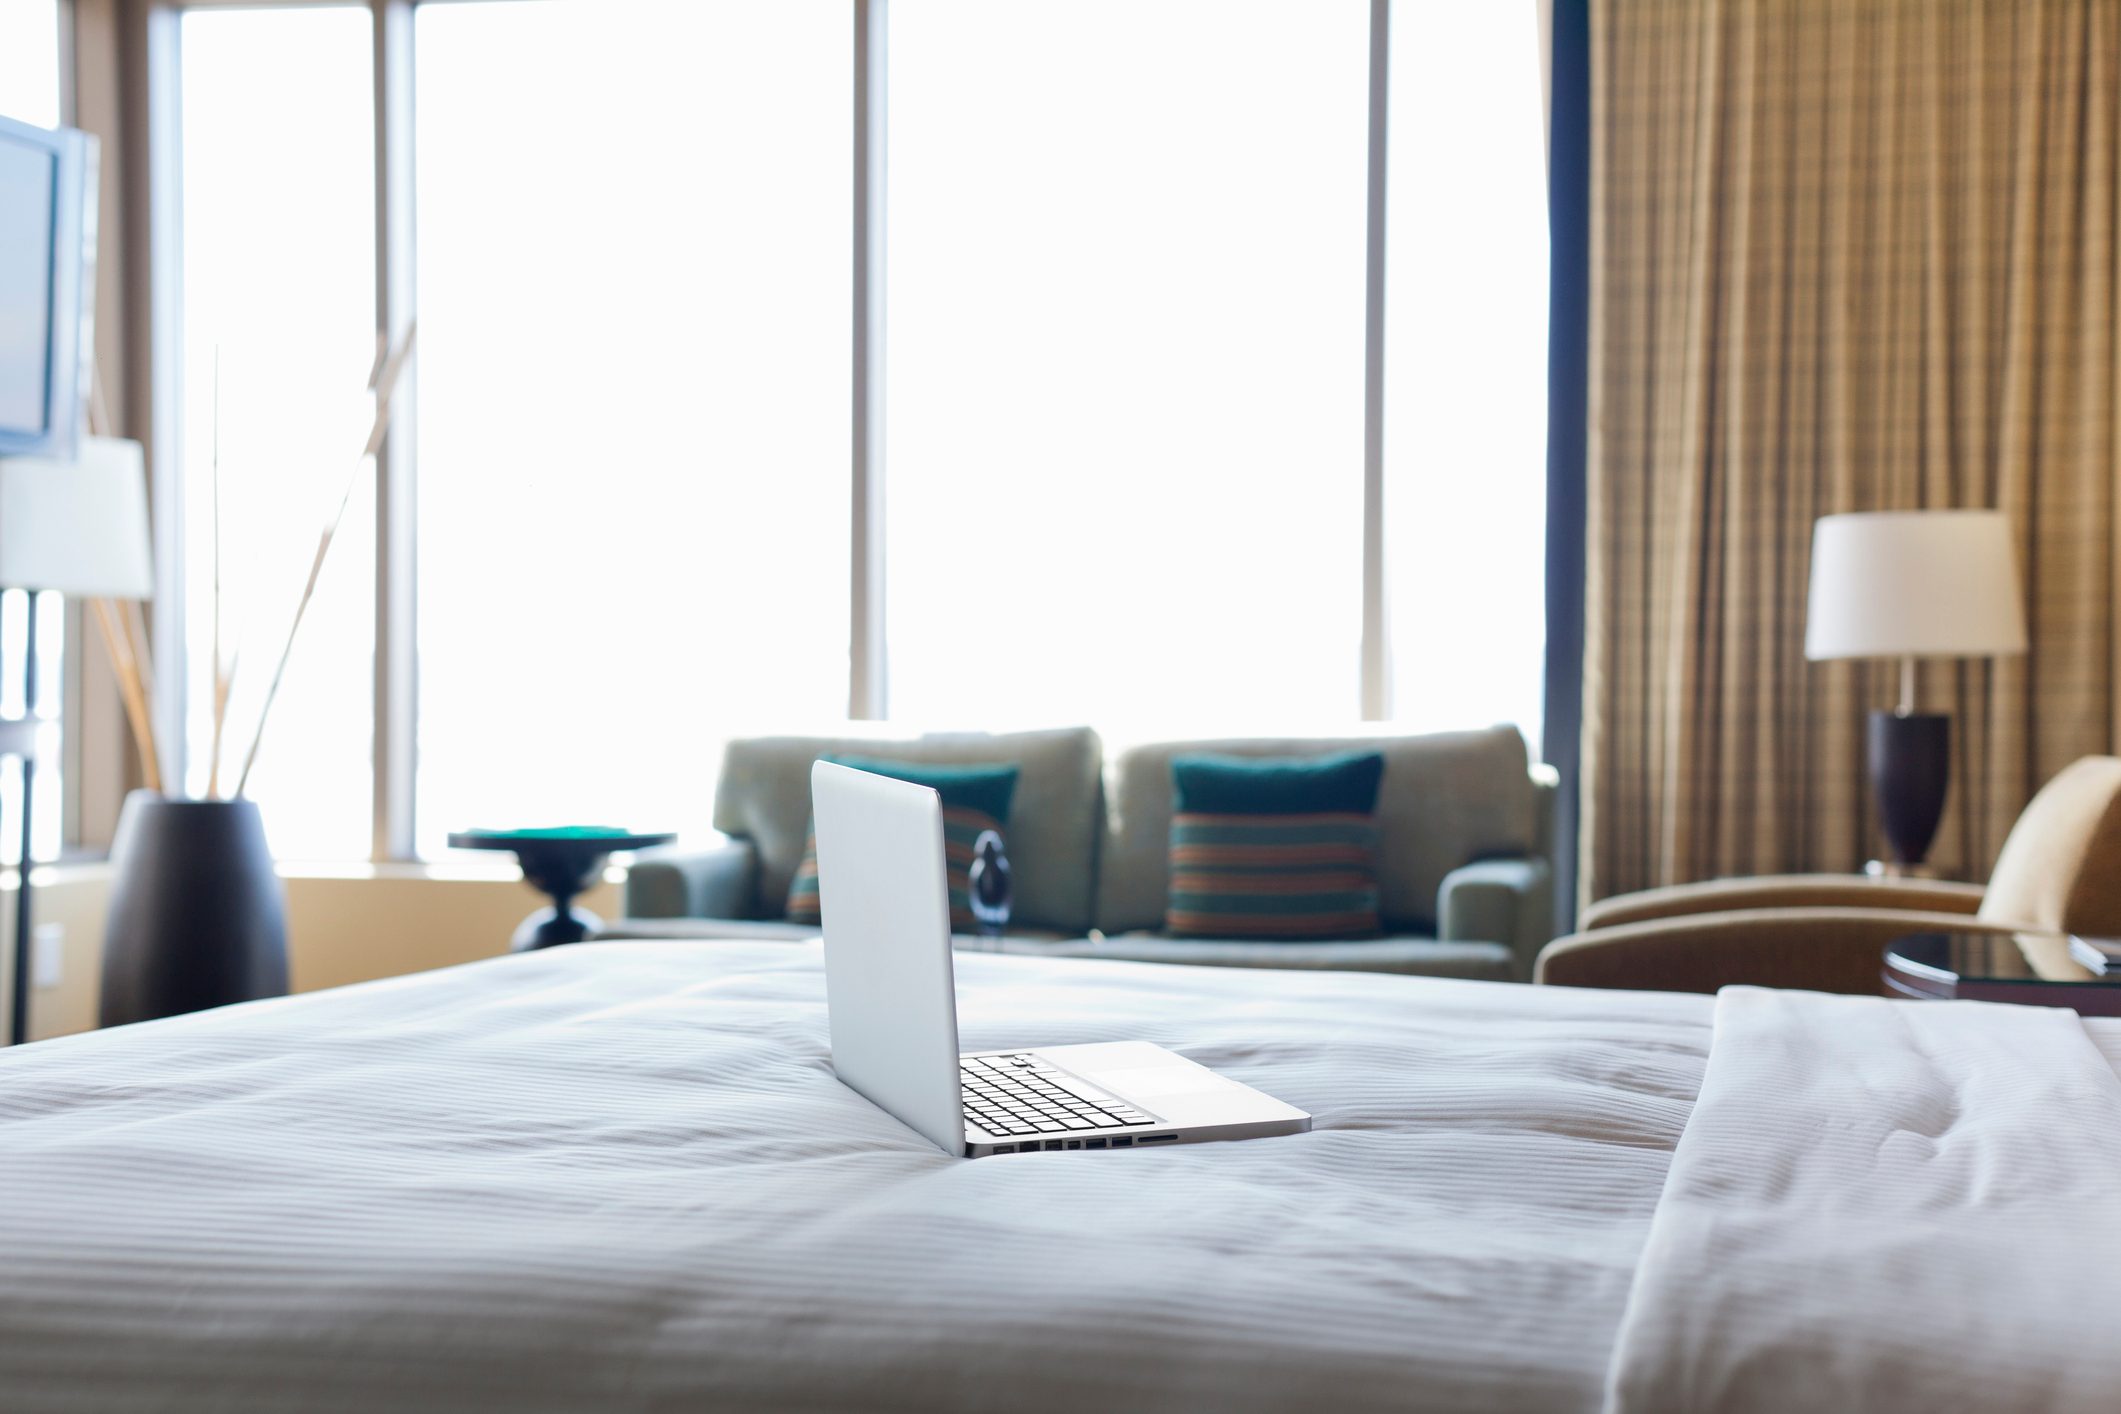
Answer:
[(1463, 822)]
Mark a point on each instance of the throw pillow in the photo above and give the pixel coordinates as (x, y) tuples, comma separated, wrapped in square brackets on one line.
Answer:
[(1278, 848), (975, 799)]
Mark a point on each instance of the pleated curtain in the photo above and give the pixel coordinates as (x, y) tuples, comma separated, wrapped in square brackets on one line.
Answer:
[(1845, 256)]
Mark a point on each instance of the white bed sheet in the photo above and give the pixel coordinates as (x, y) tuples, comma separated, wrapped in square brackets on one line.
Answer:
[(1897, 1207), (621, 1176)]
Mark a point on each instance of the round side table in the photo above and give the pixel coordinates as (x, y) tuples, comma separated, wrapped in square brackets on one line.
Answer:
[(562, 864), (2032, 969)]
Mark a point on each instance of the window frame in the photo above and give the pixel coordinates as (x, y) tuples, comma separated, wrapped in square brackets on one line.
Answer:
[(153, 360), (74, 713)]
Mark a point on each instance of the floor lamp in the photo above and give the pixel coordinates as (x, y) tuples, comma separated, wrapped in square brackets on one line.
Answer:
[(78, 528), (1908, 585)]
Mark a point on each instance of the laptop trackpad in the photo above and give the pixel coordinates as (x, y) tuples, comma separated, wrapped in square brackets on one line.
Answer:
[(1149, 1081)]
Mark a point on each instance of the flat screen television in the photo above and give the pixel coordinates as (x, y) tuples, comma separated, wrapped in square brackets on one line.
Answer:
[(47, 254)]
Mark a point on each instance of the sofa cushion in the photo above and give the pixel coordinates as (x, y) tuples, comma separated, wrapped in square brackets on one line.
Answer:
[(1446, 800), (1405, 954), (1275, 848), (778, 931), (754, 930), (975, 800), (1056, 814)]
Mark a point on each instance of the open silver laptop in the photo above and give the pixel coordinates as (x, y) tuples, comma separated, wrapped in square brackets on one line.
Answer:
[(892, 997)]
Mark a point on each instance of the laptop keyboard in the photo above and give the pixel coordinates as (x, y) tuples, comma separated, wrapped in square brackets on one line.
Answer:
[(1023, 1095)]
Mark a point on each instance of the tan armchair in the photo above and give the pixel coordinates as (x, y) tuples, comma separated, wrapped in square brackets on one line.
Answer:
[(2060, 871)]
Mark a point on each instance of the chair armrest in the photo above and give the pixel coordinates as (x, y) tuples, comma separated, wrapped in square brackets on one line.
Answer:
[(1782, 891), (717, 882), (1498, 901), (1816, 949)]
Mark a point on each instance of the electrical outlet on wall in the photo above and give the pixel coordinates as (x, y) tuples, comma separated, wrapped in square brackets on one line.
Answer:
[(47, 954)]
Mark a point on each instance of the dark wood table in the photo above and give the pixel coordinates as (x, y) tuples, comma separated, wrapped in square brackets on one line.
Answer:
[(561, 863), (2031, 969)]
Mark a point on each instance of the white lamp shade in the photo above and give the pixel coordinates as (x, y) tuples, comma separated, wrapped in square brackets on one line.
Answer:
[(1914, 584), (79, 527)]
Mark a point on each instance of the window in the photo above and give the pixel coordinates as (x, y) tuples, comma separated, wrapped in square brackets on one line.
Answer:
[(1126, 362), (51, 649), (279, 330), (29, 93), (1123, 373), (29, 61), (1466, 367), (634, 399)]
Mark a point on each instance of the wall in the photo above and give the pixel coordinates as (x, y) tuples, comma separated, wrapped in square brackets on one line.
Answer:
[(344, 925)]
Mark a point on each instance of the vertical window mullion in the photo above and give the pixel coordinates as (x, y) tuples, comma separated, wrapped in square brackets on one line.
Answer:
[(1376, 632), (867, 685), (155, 352), (395, 726), (70, 714)]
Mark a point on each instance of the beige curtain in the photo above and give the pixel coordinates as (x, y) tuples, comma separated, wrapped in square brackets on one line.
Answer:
[(1845, 256)]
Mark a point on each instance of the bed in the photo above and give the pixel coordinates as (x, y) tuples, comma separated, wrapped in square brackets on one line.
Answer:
[(621, 1176)]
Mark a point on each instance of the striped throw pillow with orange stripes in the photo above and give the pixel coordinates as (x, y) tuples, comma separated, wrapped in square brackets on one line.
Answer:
[(962, 827), (1282, 849), (976, 797)]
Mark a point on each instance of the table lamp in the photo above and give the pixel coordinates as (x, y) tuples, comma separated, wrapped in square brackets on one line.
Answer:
[(1908, 585), (79, 528)]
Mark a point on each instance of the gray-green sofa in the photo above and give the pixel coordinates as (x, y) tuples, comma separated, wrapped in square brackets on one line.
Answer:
[(1463, 826)]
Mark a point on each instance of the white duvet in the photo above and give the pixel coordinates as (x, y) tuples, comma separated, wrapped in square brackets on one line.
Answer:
[(1887, 1206), (621, 1176)]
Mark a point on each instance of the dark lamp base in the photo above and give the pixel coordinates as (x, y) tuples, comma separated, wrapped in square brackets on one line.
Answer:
[(1910, 765)]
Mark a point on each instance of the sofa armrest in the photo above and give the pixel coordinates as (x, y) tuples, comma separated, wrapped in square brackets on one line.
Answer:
[(1782, 891), (1508, 901), (1816, 949), (717, 882)]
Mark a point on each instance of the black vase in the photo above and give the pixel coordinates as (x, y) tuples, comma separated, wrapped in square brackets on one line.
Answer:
[(1911, 763), (197, 917)]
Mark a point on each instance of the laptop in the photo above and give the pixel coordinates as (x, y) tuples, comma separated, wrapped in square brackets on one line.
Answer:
[(891, 995)]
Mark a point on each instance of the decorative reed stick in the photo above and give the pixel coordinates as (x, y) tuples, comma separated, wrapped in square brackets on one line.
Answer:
[(224, 681), (132, 689), (385, 382), (125, 632), (223, 670), (134, 621)]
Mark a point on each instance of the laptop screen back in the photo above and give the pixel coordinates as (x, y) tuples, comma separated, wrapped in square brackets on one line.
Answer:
[(889, 987)]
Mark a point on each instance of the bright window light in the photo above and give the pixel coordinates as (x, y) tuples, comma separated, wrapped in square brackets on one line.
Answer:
[(634, 253), (279, 332), (1466, 367), (51, 673), (1125, 380), (29, 61)]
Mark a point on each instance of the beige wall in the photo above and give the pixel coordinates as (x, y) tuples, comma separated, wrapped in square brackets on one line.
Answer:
[(346, 925)]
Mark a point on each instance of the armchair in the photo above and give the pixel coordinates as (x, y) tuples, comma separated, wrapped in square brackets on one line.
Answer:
[(2060, 871)]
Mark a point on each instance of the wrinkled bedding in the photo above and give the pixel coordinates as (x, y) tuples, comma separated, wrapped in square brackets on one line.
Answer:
[(1887, 1206), (621, 1176)]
